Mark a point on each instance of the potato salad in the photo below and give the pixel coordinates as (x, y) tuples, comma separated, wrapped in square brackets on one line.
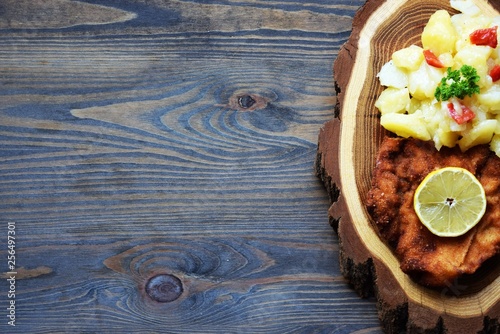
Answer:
[(448, 89)]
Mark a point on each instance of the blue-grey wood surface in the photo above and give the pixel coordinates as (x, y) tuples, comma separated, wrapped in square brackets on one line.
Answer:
[(170, 137)]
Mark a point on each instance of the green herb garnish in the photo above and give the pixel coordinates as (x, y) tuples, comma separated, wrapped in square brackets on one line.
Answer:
[(458, 83)]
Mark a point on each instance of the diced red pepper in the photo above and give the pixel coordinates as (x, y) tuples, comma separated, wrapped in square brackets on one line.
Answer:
[(463, 117), (495, 73), (432, 59), (486, 36)]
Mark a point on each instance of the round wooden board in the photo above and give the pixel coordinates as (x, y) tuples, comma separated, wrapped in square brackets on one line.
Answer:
[(347, 147)]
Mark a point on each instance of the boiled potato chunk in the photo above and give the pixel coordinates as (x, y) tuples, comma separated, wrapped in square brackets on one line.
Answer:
[(392, 76), (475, 56), (490, 99), (496, 53), (439, 34), (408, 58), (446, 59), (432, 115), (465, 24), (445, 138), (423, 82), (405, 125), (495, 144), (465, 6), (480, 133), (415, 104), (393, 100)]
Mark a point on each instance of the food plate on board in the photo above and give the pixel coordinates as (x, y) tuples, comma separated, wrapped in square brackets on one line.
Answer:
[(347, 151)]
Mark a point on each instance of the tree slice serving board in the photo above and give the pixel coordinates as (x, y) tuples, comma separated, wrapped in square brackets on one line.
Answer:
[(347, 147)]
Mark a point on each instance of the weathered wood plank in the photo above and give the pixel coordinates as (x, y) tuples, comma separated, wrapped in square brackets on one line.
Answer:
[(126, 151)]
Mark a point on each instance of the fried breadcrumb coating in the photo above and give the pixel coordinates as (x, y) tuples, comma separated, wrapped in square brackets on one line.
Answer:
[(431, 260)]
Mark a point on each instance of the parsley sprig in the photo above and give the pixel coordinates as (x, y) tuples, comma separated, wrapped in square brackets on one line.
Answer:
[(458, 83)]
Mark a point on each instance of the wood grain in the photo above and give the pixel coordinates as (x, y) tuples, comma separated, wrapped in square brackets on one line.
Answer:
[(470, 306), (125, 153)]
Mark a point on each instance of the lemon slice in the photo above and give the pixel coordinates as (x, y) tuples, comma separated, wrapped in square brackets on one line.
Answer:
[(450, 201)]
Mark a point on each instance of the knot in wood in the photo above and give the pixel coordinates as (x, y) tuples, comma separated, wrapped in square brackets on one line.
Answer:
[(164, 288), (246, 101)]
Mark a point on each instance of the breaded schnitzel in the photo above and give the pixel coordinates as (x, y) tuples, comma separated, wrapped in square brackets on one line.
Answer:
[(431, 260)]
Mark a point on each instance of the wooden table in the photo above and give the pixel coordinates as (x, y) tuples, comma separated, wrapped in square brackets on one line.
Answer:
[(157, 167)]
